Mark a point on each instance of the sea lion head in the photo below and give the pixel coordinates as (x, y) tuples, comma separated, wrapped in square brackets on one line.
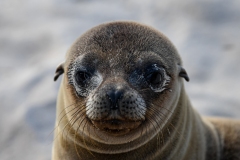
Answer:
[(121, 83)]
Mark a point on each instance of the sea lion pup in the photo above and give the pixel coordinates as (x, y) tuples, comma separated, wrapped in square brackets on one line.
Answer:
[(122, 97)]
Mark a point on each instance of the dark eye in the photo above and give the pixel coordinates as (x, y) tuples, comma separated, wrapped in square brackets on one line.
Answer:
[(154, 78), (82, 77)]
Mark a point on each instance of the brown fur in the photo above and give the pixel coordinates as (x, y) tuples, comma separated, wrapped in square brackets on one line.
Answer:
[(229, 135), (172, 129)]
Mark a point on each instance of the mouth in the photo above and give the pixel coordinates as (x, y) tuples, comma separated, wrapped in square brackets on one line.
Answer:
[(116, 127)]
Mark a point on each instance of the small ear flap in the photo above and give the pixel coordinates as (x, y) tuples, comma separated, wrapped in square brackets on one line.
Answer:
[(183, 74), (59, 71)]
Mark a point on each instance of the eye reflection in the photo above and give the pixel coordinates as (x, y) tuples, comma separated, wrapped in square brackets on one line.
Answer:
[(82, 77), (154, 78)]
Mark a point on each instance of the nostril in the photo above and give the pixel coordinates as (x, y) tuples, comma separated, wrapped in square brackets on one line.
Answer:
[(114, 96)]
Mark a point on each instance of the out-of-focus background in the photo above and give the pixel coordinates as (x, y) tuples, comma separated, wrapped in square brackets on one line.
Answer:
[(35, 35)]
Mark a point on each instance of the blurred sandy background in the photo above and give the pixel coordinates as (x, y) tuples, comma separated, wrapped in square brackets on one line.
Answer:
[(35, 35)]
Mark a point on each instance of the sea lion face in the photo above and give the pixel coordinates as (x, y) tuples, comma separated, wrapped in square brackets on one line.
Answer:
[(115, 93), (123, 78)]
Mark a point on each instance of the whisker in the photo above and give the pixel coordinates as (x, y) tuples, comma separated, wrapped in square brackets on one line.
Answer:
[(76, 119), (155, 131), (156, 121), (175, 128), (64, 126), (75, 134), (85, 141), (69, 122), (169, 133), (60, 119), (153, 109)]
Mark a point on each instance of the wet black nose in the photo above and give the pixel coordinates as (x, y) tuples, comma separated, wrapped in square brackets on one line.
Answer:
[(114, 95)]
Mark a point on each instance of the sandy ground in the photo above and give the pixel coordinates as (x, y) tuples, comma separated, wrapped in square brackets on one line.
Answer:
[(35, 35)]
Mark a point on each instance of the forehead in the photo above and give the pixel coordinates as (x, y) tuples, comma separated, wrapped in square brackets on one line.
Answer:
[(119, 60), (124, 43)]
